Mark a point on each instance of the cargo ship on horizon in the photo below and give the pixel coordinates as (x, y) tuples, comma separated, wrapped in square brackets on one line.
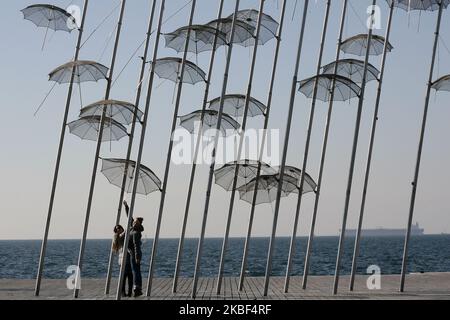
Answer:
[(383, 232)]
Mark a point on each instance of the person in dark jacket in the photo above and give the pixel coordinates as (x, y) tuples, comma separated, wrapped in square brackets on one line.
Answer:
[(135, 251)]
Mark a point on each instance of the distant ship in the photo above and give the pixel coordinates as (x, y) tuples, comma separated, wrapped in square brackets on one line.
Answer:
[(381, 232)]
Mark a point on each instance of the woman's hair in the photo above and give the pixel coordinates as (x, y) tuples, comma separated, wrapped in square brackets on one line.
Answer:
[(118, 240)]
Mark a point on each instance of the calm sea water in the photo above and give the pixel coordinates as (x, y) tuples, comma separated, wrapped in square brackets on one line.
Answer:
[(19, 259)]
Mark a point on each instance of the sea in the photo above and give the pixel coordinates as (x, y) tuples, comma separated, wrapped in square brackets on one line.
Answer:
[(19, 259)]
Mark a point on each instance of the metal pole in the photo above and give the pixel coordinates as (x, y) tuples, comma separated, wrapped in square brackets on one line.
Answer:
[(59, 155), (324, 148), (266, 125), (288, 133), (141, 145), (353, 157), (241, 143), (197, 150), (169, 155), (419, 152), (97, 152), (216, 142), (130, 143), (306, 152), (370, 153)]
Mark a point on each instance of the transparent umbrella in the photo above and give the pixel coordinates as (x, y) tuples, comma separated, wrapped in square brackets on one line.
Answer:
[(201, 39), (442, 84), (234, 105), (357, 45), (122, 112), (49, 17), (248, 170), (169, 68), (114, 169), (242, 34), (310, 185), (267, 189), (269, 26), (192, 121), (422, 5), (352, 69), (85, 71), (345, 89), (87, 128)]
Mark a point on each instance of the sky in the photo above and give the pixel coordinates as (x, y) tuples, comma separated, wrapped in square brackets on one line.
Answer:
[(29, 143)]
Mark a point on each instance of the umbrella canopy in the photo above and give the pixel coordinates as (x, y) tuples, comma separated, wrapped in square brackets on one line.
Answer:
[(423, 5), (442, 84), (85, 71), (345, 89), (234, 105), (267, 189), (169, 68), (201, 39), (352, 69), (296, 173), (242, 34), (50, 17), (190, 121), (114, 169), (269, 26), (357, 45), (248, 170), (120, 111), (87, 128)]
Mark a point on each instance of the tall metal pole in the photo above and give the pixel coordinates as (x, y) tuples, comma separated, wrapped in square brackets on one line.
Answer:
[(131, 138), (97, 152), (169, 154), (306, 152), (324, 148), (216, 142), (419, 152), (197, 150), (241, 143), (141, 145), (288, 133), (371, 146), (266, 125), (59, 155), (353, 157)]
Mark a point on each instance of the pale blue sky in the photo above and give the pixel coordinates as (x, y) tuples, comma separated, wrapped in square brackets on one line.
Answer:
[(29, 143)]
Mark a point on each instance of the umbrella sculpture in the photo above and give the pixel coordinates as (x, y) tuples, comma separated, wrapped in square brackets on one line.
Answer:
[(131, 139), (49, 17), (317, 87), (387, 49), (216, 142), (190, 122), (352, 69), (84, 71), (169, 68), (357, 45), (266, 124), (234, 105), (344, 88), (114, 169), (201, 39), (429, 5), (87, 128), (120, 111), (243, 31), (269, 26), (247, 170), (246, 107), (103, 119), (368, 46), (143, 134), (442, 84), (289, 116), (59, 154)]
